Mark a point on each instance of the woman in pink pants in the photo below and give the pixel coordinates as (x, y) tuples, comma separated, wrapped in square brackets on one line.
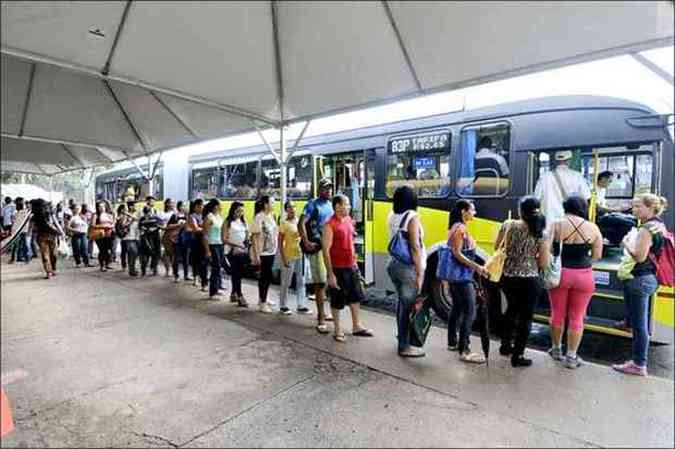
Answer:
[(581, 245)]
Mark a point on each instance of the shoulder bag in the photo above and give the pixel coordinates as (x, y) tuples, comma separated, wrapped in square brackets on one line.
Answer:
[(449, 268), (399, 245), (495, 263), (551, 274)]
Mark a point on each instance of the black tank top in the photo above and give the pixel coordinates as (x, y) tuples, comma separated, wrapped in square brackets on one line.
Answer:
[(575, 255)]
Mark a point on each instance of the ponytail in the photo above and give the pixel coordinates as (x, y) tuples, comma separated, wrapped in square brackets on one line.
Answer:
[(529, 213)]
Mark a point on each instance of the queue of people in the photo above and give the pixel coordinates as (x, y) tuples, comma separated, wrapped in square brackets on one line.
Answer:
[(317, 250)]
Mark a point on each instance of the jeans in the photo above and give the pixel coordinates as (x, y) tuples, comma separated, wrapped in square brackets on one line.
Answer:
[(216, 278), (123, 254), (463, 308), (113, 248), (637, 292), (294, 267), (265, 279), (79, 242), (22, 249), (238, 264), (132, 255), (522, 295), (199, 267), (182, 255), (404, 278)]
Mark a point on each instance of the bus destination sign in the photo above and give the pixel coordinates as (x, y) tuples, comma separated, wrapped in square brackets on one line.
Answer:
[(420, 142)]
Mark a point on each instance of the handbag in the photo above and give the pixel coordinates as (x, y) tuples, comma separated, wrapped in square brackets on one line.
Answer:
[(420, 321), (95, 233), (550, 275), (399, 247), (495, 263), (450, 269)]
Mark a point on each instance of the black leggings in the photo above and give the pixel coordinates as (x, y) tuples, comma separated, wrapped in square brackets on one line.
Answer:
[(238, 264), (522, 295), (199, 262), (265, 278), (104, 248)]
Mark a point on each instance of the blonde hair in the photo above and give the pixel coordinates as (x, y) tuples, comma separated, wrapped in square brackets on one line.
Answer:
[(657, 203)]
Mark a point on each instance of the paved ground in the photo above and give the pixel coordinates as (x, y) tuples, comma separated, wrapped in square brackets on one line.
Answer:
[(114, 361)]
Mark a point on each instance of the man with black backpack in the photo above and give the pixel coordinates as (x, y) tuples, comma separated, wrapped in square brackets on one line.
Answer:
[(317, 212)]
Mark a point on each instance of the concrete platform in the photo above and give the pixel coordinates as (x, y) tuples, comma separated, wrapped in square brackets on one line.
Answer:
[(113, 361)]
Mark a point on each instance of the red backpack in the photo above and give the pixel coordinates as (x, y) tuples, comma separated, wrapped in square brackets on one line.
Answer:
[(665, 261)]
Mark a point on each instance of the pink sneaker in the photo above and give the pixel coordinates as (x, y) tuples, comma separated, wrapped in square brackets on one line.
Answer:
[(631, 368)]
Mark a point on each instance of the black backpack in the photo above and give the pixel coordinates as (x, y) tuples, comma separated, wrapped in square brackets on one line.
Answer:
[(313, 235)]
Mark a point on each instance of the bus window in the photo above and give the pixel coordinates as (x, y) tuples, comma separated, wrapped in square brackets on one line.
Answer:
[(240, 180), (421, 162), (206, 182), (484, 161), (632, 172), (299, 177), (270, 179)]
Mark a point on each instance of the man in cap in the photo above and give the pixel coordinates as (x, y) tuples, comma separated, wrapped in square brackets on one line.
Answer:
[(557, 185), (316, 214)]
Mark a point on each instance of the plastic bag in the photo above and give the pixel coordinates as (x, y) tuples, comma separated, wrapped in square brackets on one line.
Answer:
[(63, 249)]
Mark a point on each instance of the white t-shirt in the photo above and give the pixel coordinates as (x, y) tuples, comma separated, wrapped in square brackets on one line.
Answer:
[(548, 191), (164, 217), (8, 212), (78, 224), (602, 196), (237, 232), (264, 224), (134, 233), (394, 221)]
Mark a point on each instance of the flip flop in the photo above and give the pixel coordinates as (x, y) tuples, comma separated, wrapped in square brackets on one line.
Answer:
[(340, 338), (363, 333), (322, 328)]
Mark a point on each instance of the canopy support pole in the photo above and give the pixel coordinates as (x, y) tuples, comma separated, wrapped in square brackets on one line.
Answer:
[(283, 163), (140, 170), (106, 67), (269, 147), (29, 91), (277, 58), (296, 144), (126, 116), (72, 155), (658, 71), (175, 115), (401, 44), (235, 110)]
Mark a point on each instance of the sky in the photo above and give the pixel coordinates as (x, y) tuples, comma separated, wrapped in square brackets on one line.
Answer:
[(620, 76)]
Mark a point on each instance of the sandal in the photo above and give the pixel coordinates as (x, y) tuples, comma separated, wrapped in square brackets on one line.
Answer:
[(340, 338), (472, 357), (363, 333), (322, 328)]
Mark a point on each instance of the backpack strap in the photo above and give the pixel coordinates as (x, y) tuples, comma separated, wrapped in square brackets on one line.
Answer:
[(556, 175)]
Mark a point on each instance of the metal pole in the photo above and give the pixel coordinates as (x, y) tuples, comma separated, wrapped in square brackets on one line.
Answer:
[(282, 165), (51, 187)]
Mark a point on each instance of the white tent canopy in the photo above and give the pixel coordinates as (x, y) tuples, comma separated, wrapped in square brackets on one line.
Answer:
[(91, 82)]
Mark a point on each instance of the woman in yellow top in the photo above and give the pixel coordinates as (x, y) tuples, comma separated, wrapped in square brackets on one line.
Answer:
[(291, 262)]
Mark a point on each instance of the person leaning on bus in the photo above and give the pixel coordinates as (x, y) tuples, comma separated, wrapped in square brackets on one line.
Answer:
[(526, 253), (647, 207), (581, 245)]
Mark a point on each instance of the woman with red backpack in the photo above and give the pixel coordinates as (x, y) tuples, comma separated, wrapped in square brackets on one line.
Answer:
[(643, 282)]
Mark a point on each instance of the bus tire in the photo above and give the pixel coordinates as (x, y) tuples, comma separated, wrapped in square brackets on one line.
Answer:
[(441, 303)]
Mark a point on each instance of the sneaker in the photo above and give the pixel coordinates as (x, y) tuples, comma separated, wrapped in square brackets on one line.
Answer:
[(187, 279), (285, 311), (271, 303), (234, 298), (304, 311), (556, 354), (472, 357), (176, 281), (264, 308), (573, 362), (204, 289), (631, 368), (322, 328), (242, 302), (219, 293), (452, 347), (411, 351)]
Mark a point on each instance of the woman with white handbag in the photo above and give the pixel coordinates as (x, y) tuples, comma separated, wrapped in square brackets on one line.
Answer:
[(577, 242)]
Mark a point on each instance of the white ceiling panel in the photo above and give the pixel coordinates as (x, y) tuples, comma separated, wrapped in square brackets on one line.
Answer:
[(206, 122), (69, 106), (453, 42), (154, 122), (222, 51), (15, 75), (35, 152), (60, 29), (337, 54)]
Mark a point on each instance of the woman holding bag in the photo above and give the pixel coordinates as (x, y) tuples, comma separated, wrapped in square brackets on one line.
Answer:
[(462, 289), (407, 278), (581, 243), (101, 231), (526, 252)]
